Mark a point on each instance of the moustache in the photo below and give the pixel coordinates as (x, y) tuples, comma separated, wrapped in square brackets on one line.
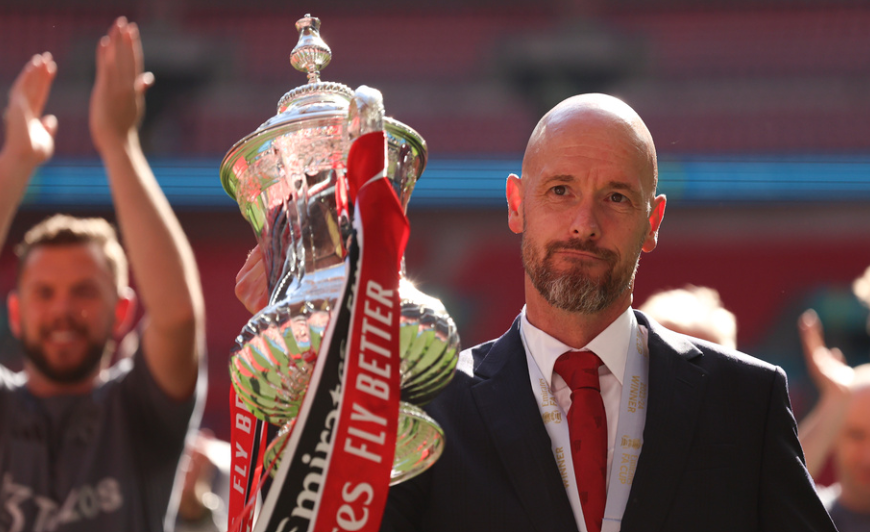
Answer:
[(65, 323), (585, 246)]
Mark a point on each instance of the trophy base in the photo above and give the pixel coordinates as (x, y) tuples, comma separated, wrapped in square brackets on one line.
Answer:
[(419, 444)]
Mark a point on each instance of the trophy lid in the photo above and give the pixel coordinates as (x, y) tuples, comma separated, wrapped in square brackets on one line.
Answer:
[(311, 105)]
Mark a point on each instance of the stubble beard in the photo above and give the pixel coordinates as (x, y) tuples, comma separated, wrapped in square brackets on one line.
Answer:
[(35, 354), (575, 290)]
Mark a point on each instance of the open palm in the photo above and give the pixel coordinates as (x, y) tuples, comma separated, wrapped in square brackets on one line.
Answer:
[(29, 135)]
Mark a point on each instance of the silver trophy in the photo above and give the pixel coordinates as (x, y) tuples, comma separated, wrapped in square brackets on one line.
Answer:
[(288, 178)]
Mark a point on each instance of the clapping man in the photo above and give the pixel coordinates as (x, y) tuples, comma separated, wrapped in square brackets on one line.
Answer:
[(84, 447)]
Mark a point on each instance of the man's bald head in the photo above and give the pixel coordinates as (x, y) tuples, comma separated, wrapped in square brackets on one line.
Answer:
[(586, 207), (599, 117)]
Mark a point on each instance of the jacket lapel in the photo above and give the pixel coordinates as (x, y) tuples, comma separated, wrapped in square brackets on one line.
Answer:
[(509, 410), (676, 391)]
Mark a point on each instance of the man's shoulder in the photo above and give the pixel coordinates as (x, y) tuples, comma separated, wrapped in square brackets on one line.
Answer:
[(12, 385), (717, 355), (113, 380), (469, 372), (708, 355), (472, 358)]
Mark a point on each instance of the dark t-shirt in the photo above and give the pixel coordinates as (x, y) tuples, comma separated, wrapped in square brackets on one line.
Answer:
[(103, 461)]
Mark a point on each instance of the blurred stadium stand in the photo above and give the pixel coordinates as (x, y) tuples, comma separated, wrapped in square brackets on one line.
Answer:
[(759, 109)]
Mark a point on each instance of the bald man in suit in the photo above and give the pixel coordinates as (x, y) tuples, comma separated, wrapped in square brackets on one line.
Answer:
[(698, 437)]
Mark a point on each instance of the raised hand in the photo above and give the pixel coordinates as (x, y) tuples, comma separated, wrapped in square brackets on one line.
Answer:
[(29, 135), (818, 429), (160, 255), (118, 97), (827, 367), (251, 285)]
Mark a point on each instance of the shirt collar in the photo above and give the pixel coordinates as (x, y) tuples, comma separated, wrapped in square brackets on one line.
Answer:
[(611, 345)]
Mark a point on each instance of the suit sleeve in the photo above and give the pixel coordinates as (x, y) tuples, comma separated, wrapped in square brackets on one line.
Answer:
[(405, 505), (788, 499)]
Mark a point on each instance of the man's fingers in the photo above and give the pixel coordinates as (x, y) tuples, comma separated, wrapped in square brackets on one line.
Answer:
[(810, 329), (256, 253), (809, 318), (18, 86), (50, 71), (102, 44), (125, 52), (49, 122), (109, 53), (826, 366), (38, 82), (254, 260), (34, 81), (144, 82), (251, 283), (251, 291), (116, 27), (135, 41), (251, 270), (252, 278)]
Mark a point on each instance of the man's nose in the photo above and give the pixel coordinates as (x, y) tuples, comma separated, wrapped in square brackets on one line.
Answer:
[(585, 220), (62, 305)]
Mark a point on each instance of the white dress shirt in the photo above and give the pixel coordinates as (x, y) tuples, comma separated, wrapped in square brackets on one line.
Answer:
[(611, 346)]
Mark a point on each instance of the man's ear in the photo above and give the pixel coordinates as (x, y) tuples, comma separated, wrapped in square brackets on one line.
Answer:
[(514, 194), (656, 215), (12, 307), (125, 311)]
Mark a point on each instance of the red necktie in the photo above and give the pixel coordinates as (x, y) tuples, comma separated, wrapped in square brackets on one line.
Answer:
[(587, 425)]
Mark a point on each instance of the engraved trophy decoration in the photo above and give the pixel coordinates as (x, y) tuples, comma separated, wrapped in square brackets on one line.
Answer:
[(288, 178)]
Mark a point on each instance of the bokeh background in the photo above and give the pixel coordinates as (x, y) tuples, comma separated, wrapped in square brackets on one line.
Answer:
[(760, 110)]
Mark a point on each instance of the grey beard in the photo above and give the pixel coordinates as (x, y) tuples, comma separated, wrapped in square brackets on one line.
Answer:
[(574, 291), (578, 293)]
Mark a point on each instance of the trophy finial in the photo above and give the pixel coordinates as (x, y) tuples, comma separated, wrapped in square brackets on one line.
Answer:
[(311, 53)]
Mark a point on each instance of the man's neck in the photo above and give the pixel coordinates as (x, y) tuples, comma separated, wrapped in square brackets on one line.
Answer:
[(41, 386), (575, 329)]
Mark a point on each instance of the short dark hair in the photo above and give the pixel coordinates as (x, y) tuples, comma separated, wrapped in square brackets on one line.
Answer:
[(62, 229)]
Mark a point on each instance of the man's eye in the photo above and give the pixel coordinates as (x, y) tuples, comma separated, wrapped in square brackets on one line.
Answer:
[(86, 291), (616, 197), (560, 190)]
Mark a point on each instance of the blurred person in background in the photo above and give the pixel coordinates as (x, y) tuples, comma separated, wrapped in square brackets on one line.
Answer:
[(84, 447), (206, 486), (839, 425), (694, 311)]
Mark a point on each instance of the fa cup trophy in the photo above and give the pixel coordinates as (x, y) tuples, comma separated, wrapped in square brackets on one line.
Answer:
[(290, 178)]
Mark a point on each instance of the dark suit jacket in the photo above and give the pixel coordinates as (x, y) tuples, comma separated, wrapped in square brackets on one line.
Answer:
[(720, 449)]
